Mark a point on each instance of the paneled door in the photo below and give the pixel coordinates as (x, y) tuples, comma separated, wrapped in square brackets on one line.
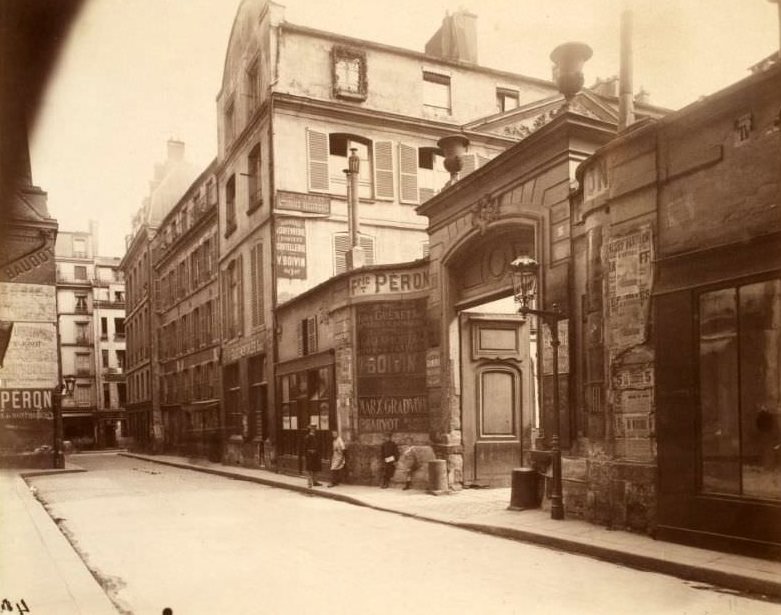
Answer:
[(495, 400)]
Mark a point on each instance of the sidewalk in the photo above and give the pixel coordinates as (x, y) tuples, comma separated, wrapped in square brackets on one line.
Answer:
[(37, 563), (485, 510)]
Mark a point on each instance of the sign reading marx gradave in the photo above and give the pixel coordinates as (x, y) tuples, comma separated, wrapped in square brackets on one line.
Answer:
[(391, 366)]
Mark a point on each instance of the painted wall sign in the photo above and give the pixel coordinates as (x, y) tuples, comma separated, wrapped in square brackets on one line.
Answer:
[(291, 248), (26, 403), (391, 366), (28, 258), (307, 203), (234, 352), (629, 281), (31, 357), (389, 282), (28, 302)]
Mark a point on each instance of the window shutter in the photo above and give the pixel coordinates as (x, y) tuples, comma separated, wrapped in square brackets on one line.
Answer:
[(226, 333), (311, 335), (317, 150), (341, 247), (240, 274), (367, 245), (383, 170), (426, 194), (254, 283), (301, 327), (469, 162), (408, 174)]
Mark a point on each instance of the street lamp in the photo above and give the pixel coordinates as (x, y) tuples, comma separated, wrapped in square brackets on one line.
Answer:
[(525, 274), (63, 389)]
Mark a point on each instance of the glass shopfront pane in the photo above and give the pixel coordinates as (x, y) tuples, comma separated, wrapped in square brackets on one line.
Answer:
[(720, 425), (760, 388)]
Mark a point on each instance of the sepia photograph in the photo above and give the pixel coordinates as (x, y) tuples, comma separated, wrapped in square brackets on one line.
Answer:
[(390, 306)]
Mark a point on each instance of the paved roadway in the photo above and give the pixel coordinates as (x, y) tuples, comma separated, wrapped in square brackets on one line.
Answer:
[(158, 536)]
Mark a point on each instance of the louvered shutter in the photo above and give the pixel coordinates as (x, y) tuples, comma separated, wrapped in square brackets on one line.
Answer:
[(317, 150), (226, 332), (426, 194), (240, 274), (311, 335), (367, 245), (301, 327), (254, 283), (469, 162), (408, 174), (383, 170), (341, 247)]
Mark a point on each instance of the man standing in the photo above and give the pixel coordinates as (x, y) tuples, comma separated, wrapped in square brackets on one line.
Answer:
[(390, 455)]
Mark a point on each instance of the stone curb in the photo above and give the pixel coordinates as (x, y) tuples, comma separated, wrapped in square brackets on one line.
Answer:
[(726, 580)]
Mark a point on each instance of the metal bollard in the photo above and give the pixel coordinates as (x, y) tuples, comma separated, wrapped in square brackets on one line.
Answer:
[(437, 477), (524, 491)]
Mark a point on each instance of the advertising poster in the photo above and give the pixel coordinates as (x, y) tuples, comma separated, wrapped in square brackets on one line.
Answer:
[(630, 277), (291, 248), (391, 368)]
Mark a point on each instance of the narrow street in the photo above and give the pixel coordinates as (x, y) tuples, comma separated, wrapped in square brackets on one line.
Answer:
[(157, 536)]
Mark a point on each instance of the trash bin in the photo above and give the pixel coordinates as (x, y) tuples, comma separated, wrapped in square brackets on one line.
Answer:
[(524, 491)]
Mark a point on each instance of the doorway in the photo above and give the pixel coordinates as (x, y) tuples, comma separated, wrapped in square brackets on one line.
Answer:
[(496, 395)]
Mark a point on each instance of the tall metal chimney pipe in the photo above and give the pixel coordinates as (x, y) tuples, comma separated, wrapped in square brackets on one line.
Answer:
[(626, 111)]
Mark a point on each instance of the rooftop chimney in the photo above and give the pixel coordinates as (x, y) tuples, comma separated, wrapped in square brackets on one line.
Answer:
[(606, 87), (626, 109), (456, 38)]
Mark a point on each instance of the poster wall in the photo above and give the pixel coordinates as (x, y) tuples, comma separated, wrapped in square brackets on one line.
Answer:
[(391, 368)]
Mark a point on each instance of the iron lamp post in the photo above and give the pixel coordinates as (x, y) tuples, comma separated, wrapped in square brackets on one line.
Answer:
[(525, 275), (63, 389)]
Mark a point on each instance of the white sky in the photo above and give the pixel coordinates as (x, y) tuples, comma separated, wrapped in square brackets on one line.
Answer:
[(135, 73)]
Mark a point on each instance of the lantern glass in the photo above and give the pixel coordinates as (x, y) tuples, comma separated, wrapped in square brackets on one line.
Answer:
[(354, 162), (70, 382), (524, 272)]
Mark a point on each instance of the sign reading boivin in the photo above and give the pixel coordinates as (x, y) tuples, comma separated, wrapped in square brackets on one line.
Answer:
[(389, 282)]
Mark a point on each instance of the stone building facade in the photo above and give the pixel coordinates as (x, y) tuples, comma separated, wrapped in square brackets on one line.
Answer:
[(294, 103), (91, 315), (184, 261), (169, 182), (676, 238)]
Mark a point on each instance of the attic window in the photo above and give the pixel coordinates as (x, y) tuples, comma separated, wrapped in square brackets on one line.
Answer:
[(506, 99), (436, 90), (348, 66)]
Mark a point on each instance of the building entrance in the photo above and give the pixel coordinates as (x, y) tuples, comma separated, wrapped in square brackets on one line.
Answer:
[(496, 374)]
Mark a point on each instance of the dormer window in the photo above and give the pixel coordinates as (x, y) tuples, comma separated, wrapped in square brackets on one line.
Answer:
[(349, 73), (506, 99)]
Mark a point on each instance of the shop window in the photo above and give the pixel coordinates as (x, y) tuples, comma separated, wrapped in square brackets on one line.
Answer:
[(740, 390), (258, 397), (306, 399)]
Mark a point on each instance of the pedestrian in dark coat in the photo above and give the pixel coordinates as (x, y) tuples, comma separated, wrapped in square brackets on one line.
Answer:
[(312, 461), (390, 455)]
